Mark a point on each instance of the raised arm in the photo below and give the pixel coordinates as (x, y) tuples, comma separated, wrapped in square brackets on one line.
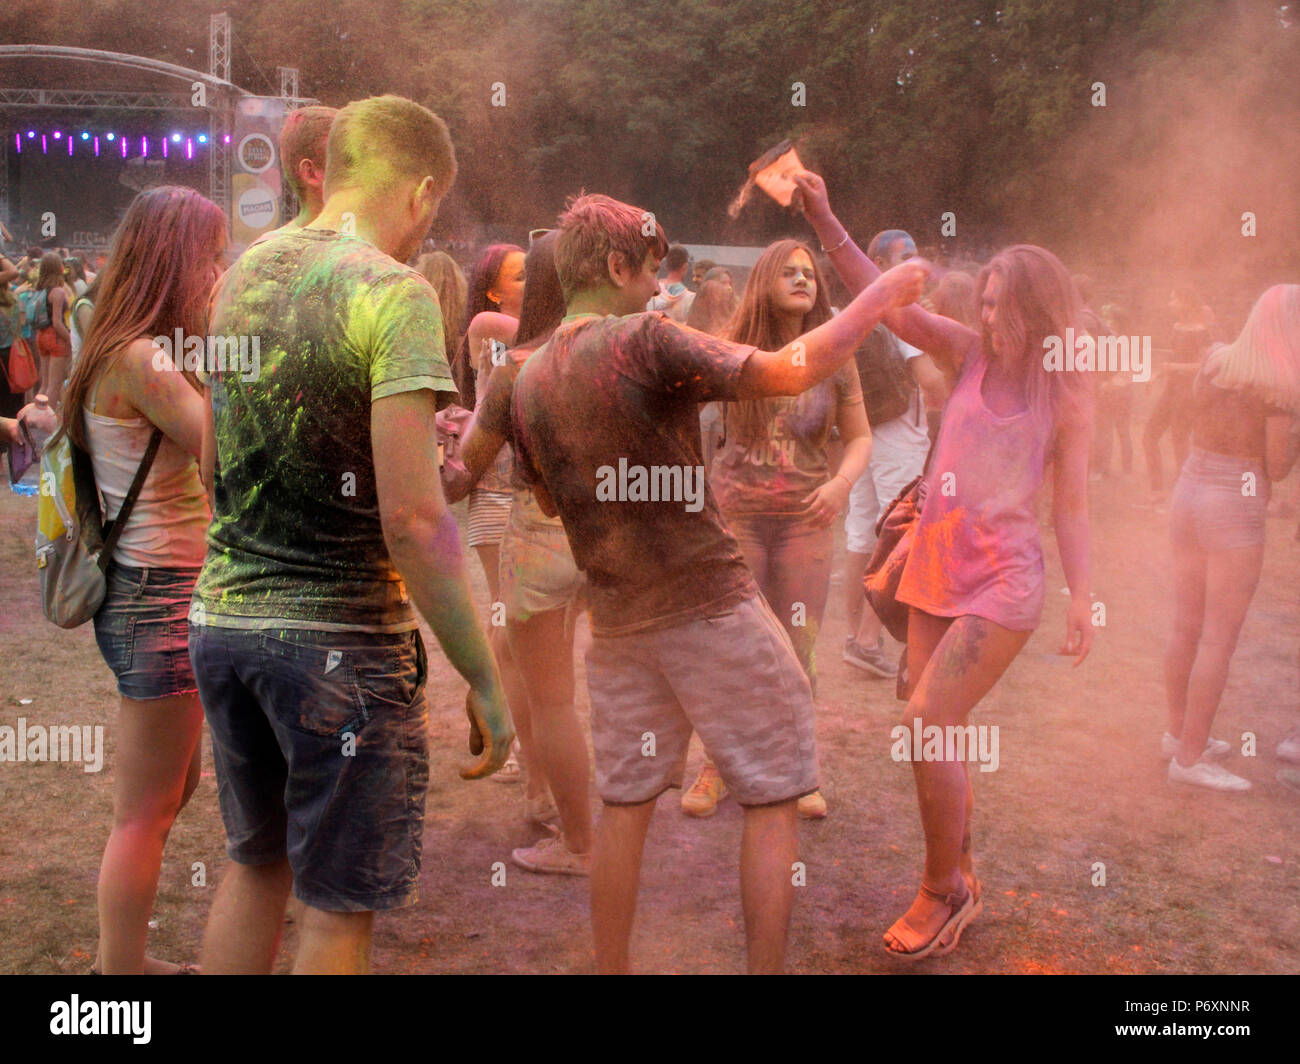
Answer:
[(819, 353), (944, 340)]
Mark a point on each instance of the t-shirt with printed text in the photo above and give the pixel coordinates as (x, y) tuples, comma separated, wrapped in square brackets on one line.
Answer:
[(774, 472)]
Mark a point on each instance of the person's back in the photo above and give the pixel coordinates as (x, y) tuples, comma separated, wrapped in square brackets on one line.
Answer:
[(324, 380), (607, 429), (664, 555), (327, 324)]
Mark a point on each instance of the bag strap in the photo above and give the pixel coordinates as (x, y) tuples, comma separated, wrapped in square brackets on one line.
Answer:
[(114, 529)]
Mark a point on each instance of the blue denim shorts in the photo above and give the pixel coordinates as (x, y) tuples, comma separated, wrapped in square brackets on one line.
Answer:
[(143, 632), (321, 751), (1219, 503)]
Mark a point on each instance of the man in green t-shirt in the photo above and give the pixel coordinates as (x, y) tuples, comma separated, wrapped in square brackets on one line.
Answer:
[(329, 530)]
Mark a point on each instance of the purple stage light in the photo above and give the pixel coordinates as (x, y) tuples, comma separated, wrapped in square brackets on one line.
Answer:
[(189, 148)]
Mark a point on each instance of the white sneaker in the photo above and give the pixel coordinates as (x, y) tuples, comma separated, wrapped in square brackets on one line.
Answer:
[(1204, 774), (1214, 748), (1289, 748)]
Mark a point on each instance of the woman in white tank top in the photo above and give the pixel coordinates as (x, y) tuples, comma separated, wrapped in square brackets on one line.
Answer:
[(165, 258)]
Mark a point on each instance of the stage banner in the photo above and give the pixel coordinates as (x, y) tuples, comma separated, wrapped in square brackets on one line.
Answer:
[(255, 181)]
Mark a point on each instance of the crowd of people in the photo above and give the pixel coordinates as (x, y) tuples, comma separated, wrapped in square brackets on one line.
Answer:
[(670, 455)]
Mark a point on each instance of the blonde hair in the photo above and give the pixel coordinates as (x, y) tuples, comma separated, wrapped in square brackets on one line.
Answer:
[(1265, 358), (376, 142)]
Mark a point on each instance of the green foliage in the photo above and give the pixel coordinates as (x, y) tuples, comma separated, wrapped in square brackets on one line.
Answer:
[(979, 107)]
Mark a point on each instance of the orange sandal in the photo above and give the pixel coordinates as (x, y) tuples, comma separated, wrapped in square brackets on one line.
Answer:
[(962, 908)]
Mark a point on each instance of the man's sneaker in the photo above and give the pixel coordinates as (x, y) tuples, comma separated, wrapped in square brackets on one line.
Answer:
[(1204, 774), (551, 855), (705, 793), (1214, 748), (1289, 748), (869, 659), (812, 806)]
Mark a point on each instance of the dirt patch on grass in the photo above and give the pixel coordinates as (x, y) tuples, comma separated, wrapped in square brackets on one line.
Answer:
[(1194, 881)]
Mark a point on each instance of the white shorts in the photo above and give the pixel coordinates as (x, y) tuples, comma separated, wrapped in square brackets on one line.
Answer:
[(891, 467)]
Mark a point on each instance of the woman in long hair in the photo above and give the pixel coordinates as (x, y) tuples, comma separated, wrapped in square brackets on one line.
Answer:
[(711, 312), (541, 590), (496, 289), (714, 303), (974, 577), (493, 306), (166, 255), (53, 340), (1244, 403), (441, 271), (772, 476)]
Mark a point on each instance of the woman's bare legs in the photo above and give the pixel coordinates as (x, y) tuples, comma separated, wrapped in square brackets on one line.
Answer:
[(516, 694), (956, 661), (543, 652), (157, 769), (1189, 615), (1230, 580)]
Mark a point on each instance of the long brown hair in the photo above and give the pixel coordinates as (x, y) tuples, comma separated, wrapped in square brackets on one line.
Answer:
[(1038, 300), (441, 271), (157, 280), (714, 304), (51, 271), (542, 309), (755, 322)]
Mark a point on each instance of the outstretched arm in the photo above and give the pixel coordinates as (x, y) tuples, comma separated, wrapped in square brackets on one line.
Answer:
[(944, 340), (819, 353)]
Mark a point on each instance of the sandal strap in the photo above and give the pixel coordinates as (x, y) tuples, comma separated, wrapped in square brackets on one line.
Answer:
[(953, 901)]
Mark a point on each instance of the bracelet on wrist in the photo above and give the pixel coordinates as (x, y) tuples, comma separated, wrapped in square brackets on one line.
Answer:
[(829, 251)]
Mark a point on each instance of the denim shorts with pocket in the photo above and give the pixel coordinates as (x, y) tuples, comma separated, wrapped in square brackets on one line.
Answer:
[(321, 751), (143, 632)]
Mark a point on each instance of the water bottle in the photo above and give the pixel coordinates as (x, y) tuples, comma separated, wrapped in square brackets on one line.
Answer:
[(41, 423)]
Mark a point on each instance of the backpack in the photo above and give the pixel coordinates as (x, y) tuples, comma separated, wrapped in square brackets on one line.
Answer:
[(35, 310), (887, 386), (73, 543)]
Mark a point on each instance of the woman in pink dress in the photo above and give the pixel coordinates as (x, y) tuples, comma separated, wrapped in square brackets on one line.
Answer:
[(974, 579)]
